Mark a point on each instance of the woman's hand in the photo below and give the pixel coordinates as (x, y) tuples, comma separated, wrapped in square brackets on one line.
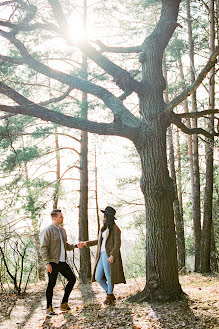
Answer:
[(110, 259)]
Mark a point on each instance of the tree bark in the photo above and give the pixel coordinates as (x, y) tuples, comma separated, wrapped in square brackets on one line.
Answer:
[(85, 260), (209, 176), (180, 238), (161, 257), (196, 176), (36, 232), (179, 225), (57, 185)]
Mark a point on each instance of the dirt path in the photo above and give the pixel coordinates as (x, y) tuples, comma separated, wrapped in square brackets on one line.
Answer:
[(200, 311)]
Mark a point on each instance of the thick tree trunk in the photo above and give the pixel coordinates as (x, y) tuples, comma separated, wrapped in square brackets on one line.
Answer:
[(162, 281), (161, 258), (208, 196)]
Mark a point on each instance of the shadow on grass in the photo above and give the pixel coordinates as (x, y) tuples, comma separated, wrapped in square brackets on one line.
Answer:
[(7, 303), (32, 306), (94, 314), (111, 316), (87, 293), (180, 314), (49, 322)]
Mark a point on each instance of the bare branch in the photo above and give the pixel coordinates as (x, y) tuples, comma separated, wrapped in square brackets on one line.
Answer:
[(205, 4), (112, 102), (23, 27), (29, 108), (59, 15), (196, 114), (192, 88), (56, 99), (13, 60), (122, 77), (104, 48), (190, 131), (3, 117), (67, 121)]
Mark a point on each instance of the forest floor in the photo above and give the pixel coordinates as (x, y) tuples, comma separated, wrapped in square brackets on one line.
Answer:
[(199, 310)]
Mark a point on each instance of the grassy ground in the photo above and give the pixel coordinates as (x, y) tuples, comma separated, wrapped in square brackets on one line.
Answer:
[(199, 310)]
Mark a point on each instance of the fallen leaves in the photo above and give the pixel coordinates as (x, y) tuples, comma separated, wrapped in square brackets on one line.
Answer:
[(198, 311)]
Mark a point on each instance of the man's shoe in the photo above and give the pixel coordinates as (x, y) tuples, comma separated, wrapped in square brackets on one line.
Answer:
[(110, 298), (65, 307), (50, 311)]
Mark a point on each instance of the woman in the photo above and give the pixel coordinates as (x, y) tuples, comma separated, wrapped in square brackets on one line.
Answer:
[(108, 269)]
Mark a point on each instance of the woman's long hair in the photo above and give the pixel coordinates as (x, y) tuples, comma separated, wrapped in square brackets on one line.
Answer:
[(110, 222)]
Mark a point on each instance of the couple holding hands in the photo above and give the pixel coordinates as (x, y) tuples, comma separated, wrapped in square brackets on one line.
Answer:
[(108, 269)]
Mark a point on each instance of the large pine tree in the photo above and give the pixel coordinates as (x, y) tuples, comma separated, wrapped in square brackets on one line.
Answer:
[(147, 132)]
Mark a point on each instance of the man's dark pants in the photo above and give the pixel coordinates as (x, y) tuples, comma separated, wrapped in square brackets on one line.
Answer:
[(65, 270)]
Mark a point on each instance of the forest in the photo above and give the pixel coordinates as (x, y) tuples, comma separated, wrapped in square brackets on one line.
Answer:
[(108, 103)]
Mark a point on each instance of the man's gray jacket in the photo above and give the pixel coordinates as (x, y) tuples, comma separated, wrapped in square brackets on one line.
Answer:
[(50, 243)]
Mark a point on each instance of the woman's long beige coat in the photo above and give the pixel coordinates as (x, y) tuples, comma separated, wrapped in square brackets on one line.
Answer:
[(113, 243)]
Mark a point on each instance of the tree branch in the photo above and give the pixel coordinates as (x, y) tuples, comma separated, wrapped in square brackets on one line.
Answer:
[(67, 121), (29, 108), (124, 50), (23, 27), (165, 27), (112, 102), (196, 114), (122, 77), (190, 131), (56, 99), (14, 60), (192, 88)]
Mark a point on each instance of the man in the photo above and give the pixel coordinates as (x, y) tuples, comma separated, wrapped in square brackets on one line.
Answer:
[(53, 243)]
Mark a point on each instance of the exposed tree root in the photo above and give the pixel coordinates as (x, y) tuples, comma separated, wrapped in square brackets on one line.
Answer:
[(156, 295)]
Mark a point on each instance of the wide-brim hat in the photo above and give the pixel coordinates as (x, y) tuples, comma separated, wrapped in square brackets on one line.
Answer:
[(110, 211)]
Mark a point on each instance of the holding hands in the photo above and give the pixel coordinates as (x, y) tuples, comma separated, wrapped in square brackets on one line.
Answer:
[(81, 244)]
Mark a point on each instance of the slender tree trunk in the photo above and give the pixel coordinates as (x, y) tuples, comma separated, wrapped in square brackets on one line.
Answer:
[(85, 260), (208, 195), (96, 192), (196, 175), (180, 238), (57, 186), (179, 174), (36, 233), (214, 253)]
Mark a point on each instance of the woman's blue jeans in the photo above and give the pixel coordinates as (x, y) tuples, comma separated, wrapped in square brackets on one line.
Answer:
[(102, 274)]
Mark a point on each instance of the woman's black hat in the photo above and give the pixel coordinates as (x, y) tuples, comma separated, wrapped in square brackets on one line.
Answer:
[(109, 210)]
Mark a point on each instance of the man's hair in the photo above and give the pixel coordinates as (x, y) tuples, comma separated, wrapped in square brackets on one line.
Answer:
[(55, 212)]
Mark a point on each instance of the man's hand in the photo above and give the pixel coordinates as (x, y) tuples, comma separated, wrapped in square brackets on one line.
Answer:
[(81, 244), (110, 259), (49, 268)]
